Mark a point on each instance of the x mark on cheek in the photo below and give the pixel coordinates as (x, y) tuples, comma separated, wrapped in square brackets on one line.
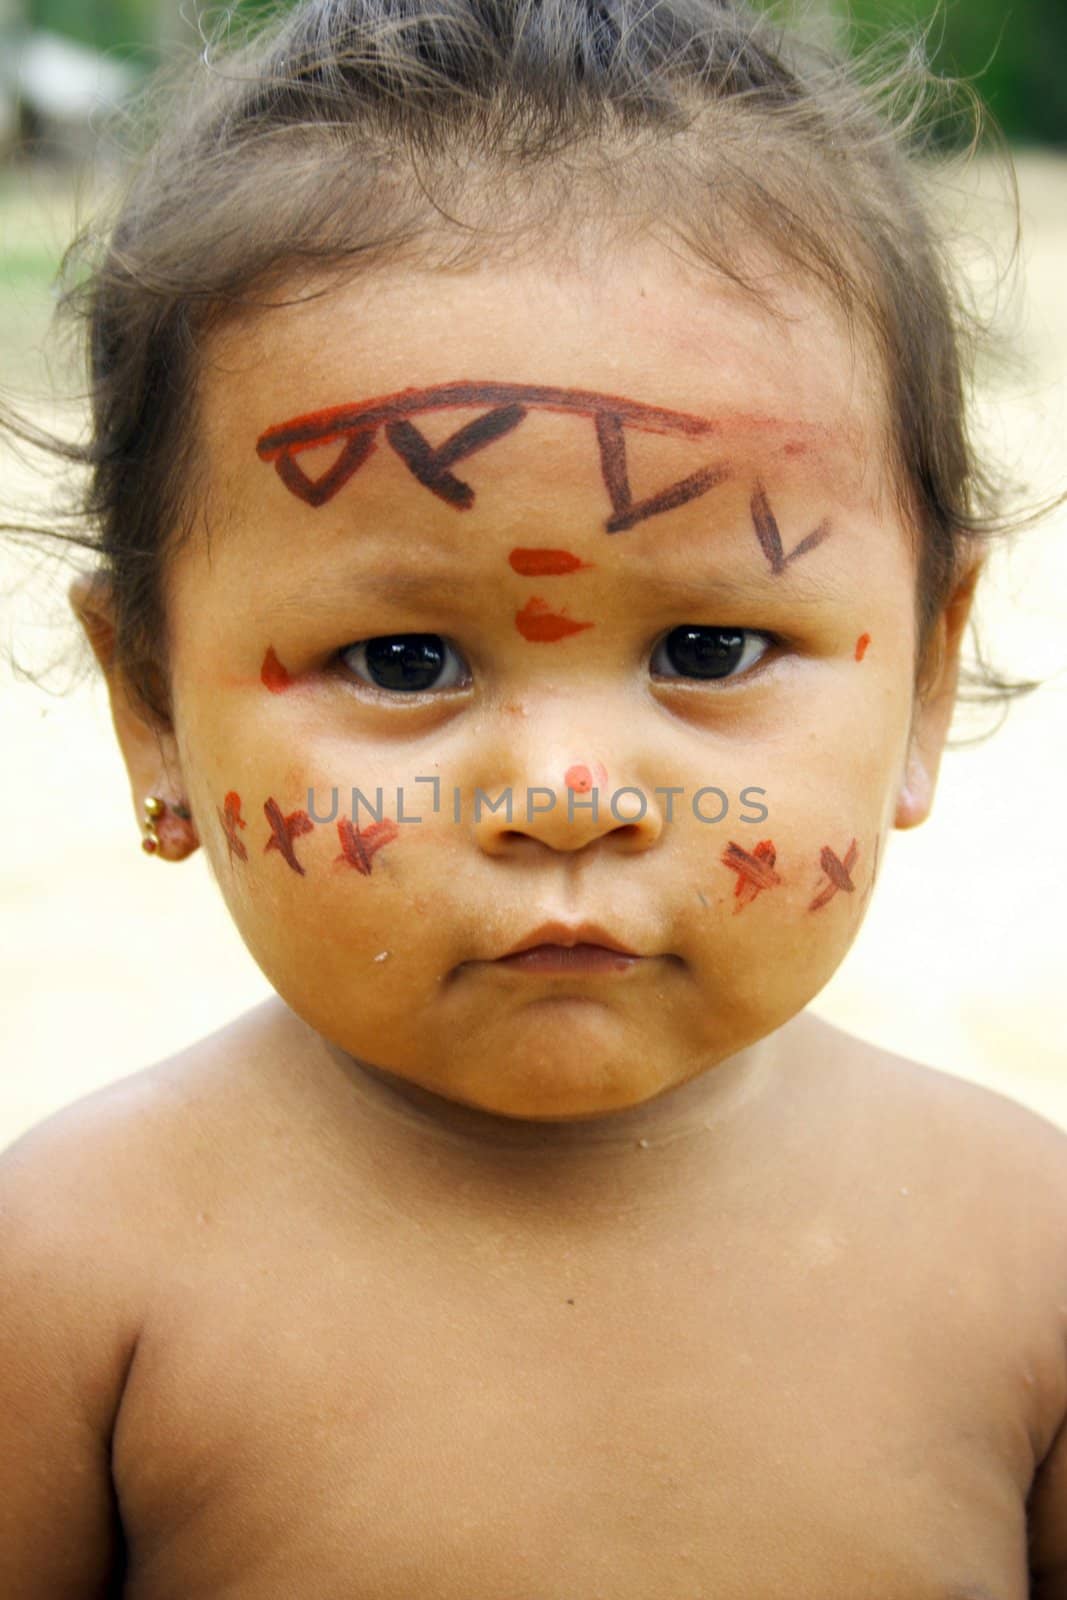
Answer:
[(838, 873), (284, 830), (358, 847), (231, 820), (755, 872)]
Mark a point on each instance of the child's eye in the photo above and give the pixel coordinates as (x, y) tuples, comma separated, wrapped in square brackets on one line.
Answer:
[(710, 653), (406, 662)]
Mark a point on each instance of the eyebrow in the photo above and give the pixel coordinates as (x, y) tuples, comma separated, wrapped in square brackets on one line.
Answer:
[(404, 586), (658, 588)]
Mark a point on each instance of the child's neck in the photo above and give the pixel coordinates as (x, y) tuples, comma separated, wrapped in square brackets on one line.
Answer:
[(698, 1149), (704, 1104)]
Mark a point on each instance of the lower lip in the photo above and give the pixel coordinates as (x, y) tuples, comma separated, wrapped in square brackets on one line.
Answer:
[(569, 958)]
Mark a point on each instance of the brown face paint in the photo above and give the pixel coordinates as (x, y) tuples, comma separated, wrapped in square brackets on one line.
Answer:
[(755, 872), (838, 873), (356, 425), (541, 625), (770, 539), (539, 562), (359, 847), (315, 492), (609, 432), (273, 674), (861, 645), (231, 820), (284, 830)]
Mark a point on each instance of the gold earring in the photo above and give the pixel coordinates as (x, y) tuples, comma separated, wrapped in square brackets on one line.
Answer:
[(154, 808)]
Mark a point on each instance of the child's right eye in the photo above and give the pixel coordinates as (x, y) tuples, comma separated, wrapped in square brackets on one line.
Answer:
[(406, 662)]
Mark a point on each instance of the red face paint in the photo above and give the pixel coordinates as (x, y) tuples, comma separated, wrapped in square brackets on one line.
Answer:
[(231, 820), (755, 872), (284, 830), (581, 780), (838, 874), (358, 847), (273, 674), (509, 403), (541, 625), (539, 562), (861, 645)]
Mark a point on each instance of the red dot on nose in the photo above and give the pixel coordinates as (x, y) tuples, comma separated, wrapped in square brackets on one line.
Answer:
[(579, 778)]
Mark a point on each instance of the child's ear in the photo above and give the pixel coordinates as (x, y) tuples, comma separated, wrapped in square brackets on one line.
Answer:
[(935, 701), (148, 746)]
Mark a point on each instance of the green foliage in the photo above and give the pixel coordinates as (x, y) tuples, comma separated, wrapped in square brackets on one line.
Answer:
[(1013, 55), (127, 27), (1016, 55)]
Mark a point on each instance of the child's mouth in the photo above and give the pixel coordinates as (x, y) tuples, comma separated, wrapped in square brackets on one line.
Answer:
[(558, 958)]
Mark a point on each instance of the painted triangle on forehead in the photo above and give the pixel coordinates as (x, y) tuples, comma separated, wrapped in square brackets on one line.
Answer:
[(510, 403)]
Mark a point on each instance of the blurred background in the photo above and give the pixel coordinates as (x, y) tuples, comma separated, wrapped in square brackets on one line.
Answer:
[(110, 960)]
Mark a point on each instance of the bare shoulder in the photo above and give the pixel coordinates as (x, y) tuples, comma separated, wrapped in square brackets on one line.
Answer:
[(134, 1148), (986, 1176), (959, 1126), (91, 1199)]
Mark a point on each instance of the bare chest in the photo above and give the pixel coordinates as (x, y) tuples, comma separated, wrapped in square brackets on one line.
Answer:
[(800, 1417)]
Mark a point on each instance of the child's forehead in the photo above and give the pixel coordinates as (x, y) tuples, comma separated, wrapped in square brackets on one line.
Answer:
[(539, 405), (653, 334)]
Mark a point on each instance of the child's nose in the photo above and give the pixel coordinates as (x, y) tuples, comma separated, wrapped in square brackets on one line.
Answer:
[(566, 804)]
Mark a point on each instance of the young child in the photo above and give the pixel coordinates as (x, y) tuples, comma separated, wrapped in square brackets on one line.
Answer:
[(535, 528)]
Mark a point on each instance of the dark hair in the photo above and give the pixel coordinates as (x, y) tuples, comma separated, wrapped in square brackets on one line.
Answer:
[(350, 133)]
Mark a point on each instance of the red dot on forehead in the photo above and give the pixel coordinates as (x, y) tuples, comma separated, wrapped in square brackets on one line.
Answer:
[(539, 561)]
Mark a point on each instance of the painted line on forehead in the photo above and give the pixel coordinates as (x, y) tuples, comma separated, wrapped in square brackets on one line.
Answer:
[(430, 464), (755, 871), (316, 491), (838, 873), (323, 427), (284, 829), (769, 535), (538, 623), (861, 645), (359, 846), (538, 561)]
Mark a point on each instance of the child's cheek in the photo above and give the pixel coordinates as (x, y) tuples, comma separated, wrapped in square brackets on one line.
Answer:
[(338, 908), (772, 910)]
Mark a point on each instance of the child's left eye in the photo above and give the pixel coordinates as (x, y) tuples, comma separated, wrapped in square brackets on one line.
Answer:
[(711, 653), (406, 662)]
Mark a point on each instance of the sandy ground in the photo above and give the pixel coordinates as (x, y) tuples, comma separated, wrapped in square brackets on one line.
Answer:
[(111, 960)]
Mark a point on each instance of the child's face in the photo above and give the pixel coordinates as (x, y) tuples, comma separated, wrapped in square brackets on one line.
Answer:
[(582, 621)]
